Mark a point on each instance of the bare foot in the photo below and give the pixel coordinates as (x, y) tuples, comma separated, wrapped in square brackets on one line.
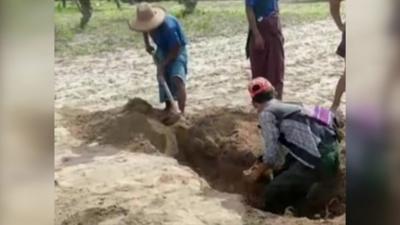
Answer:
[(171, 118)]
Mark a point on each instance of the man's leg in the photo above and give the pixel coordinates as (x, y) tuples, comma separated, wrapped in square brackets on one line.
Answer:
[(180, 92), (340, 88), (86, 10), (275, 57), (290, 187), (257, 58), (168, 106), (276, 65), (341, 85)]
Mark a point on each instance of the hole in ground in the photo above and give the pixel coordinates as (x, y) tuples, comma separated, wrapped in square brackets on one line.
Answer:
[(218, 145), (221, 145)]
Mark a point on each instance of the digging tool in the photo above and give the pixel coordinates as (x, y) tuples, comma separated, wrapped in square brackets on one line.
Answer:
[(171, 119), (169, 94)]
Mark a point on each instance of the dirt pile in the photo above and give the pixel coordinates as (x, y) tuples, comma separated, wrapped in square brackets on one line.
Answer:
[(127, 127), (218, 145)]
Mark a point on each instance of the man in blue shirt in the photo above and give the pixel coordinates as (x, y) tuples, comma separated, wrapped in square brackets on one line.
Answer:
[(265, 42), (170, 56)]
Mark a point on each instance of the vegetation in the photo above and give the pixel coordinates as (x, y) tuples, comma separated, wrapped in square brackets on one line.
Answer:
[(108, 29)]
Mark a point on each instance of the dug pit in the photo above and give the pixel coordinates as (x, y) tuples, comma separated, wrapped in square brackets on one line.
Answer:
[(218, 145)]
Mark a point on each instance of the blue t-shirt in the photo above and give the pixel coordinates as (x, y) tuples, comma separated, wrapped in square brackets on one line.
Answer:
[(263, 8), (169, 34)]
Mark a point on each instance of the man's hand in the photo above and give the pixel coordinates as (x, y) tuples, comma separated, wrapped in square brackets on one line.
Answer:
[(255, 172), (150, 49), (258, 41)]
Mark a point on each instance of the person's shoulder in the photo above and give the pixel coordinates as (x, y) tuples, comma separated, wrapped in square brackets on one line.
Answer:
[(171, 21), (267, 115)]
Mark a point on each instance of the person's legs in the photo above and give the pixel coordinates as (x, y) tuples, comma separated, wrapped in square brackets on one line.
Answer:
[(180, 92), (321, 193), (257, 62), (86, 10), (275, 64), (341, 85), (168, 106), (258, 57), (177, 85), (275, 57), (340, 89), (290, 187)]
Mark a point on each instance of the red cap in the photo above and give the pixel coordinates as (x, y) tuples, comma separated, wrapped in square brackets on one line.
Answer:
[(259, 85)]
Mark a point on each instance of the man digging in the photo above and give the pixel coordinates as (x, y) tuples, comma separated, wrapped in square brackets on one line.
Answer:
[(301, 148), (170, 56)]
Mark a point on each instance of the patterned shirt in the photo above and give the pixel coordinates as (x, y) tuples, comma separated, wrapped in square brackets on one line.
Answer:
[(295, 132)]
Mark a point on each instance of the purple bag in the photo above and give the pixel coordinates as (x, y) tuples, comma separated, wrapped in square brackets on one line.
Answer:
[(322, 115)]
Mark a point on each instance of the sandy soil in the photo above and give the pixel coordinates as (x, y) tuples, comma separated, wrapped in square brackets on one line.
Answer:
[(218, 72), (116, 167)]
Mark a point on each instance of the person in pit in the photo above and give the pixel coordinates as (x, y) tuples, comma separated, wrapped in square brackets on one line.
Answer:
[(301, 151)]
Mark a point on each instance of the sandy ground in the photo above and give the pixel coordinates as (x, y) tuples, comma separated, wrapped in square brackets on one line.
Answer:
[(100, 182), (218, 72)]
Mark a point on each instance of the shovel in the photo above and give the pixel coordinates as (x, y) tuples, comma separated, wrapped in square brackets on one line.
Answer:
[(170, 119)]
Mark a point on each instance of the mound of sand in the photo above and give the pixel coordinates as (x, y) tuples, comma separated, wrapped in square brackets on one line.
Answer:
[(128, 127), (218, 146)]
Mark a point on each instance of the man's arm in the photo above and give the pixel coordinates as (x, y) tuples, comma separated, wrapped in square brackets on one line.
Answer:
[(270, 133), (335, 13), (149, 48), (271, 158), (251, 18), (171, 56)]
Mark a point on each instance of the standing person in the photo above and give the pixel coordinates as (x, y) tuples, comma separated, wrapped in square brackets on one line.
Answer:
[(170, 55), (85, 6), (341, 51), (265, 42), (310, 158)]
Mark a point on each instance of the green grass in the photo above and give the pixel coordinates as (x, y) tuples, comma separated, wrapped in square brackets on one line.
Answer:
[(108, 29)]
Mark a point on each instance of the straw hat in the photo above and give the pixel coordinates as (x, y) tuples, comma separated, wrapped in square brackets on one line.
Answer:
[(148, 17)]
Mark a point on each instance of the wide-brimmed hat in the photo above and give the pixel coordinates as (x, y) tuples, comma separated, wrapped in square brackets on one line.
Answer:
[(148, 17)]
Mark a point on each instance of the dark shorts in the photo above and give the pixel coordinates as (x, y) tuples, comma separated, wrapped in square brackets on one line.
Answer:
[(341, 50), (177, 68)]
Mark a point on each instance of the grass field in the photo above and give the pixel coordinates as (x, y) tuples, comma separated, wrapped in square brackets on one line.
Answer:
[(108, 29)]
